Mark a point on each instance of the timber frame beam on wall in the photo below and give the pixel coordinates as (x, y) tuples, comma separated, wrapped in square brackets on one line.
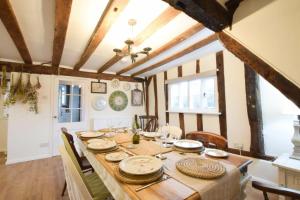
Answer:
[(154, 26), (208, 12), (41, 69), (285, 86), (181, 115), (254, 111), (62, 14), (110, 14), (10, 22)]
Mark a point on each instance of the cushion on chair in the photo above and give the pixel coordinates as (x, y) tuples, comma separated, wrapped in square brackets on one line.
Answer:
[(98, 189)]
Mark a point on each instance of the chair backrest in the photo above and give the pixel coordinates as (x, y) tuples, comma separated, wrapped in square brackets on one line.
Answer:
[(175, 132), (70, 140), (145, 120), (151, 126), (209, 139), (71, 153), (77, 188), (268, 188)]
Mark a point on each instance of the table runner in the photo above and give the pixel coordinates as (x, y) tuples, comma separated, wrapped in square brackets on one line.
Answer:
[(226, 187)]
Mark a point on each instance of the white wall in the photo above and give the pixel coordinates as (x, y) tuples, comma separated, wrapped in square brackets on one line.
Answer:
[(272, 33), (278, 127), (238, 129), (30, 136)]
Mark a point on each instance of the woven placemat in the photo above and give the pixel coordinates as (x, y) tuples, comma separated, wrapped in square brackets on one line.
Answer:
[(138, 179), (201, 168)]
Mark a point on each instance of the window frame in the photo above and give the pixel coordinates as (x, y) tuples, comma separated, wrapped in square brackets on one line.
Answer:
[(200, 76)]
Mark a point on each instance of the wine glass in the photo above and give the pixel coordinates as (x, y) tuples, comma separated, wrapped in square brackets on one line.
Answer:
[(160, 138)]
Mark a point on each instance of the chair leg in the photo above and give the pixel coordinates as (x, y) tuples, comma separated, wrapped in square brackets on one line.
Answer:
[(64, 189), (266, 195)]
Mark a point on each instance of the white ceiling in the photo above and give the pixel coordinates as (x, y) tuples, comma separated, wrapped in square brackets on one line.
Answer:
[(36, 20)]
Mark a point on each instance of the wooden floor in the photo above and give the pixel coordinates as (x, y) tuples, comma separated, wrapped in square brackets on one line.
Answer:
[(43, 180), (34, 180)]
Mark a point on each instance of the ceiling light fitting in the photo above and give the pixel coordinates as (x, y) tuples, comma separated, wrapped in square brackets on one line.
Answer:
[(129, 43)]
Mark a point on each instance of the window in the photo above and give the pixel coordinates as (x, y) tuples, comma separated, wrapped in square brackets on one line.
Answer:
[(69, 103), (196, 95)]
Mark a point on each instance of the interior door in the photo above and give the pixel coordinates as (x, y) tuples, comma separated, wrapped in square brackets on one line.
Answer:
[(68, 110)]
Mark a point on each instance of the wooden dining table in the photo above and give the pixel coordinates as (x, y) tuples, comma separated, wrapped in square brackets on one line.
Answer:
[(170, 189)]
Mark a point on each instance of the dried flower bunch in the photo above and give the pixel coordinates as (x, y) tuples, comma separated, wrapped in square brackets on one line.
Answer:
[(25, 93)]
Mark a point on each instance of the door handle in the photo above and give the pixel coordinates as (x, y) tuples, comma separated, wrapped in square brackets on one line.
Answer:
[(54, 117)]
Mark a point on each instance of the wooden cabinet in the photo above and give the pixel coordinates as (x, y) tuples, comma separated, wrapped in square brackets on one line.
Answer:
[(288, 172)]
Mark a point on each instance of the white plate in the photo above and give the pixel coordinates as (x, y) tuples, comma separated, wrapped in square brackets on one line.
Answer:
[(188, 144), (151, 134), (91, 134), (94, 140), (102, 145), (140, 165), (216, 153), (99, 103), (116, 156)]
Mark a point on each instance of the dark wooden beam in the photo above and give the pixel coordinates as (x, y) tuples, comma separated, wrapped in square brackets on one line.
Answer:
[(166, 96), (41, 69), (175, 41), (154, 26), (221, 92), (62, 14), (254, 111), (155, 94), (199, 116), (181, 115), (110, 14), (209, 12), (286, 87), (179, 54), (10, 22)]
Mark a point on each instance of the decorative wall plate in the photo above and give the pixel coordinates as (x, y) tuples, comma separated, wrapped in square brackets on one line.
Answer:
[(126, 86), (115, 83), (99, 103), (118, 100)]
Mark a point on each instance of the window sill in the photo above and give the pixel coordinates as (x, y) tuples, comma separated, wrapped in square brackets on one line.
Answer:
[(195, 112)]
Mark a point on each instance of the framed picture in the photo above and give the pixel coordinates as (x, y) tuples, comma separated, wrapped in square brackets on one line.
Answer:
[(136, 97), (98, 87)]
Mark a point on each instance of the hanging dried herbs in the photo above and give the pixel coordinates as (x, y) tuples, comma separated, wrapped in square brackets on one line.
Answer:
[(19, 89), (31, 96), (3, 81), (11, 99), (38, 84)]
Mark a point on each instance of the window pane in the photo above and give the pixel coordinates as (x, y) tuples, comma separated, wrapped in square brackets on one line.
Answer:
[(76, 90), (64, 115), (174, 96), (195, 94), (64, 88), (183, 90), (208, 93), (76, 101), (76, 115)]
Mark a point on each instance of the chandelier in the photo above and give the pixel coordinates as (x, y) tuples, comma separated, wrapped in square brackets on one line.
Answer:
[(129, 51)]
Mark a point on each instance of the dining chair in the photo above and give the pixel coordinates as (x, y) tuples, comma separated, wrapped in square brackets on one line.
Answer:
[(274, 189), (84, 164), (208, 139), (174, 131), (80, 185), (149, 122)]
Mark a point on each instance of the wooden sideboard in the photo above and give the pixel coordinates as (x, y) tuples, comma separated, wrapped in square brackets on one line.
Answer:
[(288, 172)]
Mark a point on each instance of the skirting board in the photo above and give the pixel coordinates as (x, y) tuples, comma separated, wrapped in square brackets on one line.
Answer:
[(29, 158)]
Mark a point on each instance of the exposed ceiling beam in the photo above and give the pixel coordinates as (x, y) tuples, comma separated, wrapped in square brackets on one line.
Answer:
[(110, 14), (42, 69), (154, 26), (178, 39), (289, 89), (10, 22), (209, 12), (62, 14), (190, 49)]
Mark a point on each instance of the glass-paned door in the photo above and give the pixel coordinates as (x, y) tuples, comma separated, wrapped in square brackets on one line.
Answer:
[(69, 109)]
